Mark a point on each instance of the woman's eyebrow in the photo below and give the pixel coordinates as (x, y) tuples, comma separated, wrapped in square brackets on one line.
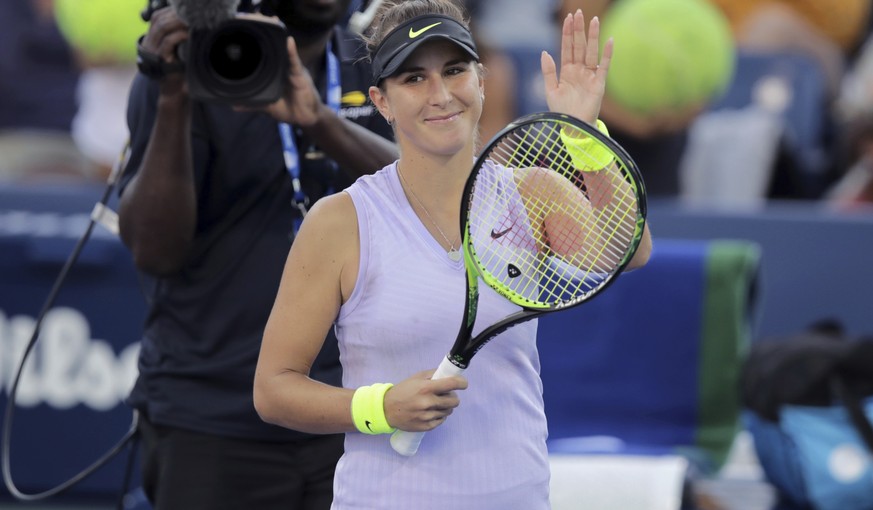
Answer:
[(412, 69)]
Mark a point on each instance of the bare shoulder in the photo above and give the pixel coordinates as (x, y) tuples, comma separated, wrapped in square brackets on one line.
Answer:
[(329, 239), (332, 217)]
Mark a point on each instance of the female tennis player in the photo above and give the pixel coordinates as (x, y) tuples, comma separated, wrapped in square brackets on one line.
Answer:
[(384, 265)]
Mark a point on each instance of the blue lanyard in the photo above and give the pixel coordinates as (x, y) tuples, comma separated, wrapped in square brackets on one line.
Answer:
[(289, 146)]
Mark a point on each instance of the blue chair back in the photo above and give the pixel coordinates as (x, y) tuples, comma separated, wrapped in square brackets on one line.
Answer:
[(654, 361)]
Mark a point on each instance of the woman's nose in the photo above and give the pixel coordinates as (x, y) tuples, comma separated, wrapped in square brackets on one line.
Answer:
[(439, 92)]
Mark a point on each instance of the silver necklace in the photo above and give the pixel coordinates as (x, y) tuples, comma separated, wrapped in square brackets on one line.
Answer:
[(453, 252)]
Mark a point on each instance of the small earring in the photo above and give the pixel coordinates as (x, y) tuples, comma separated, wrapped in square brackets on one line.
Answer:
[(390, 121)]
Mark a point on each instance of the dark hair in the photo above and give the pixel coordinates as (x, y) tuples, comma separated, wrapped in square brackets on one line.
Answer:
[(395, 12)]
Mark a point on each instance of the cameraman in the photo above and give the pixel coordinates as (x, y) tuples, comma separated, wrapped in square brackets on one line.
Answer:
[(206, 210)]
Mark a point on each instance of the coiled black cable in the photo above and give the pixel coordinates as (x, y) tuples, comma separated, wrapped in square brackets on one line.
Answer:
[(131, 433)]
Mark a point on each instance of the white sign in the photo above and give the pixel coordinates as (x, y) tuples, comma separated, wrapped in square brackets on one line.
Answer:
[(66, 367)]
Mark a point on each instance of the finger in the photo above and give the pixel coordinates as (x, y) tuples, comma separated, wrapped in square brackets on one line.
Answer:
[(169, 45), (424, 374), (439, 410), (593, 42), (579, 43), (441, 417), (296, 66), (438, 414), (434, 423), (550, 72), (165, 31), (567, 41), (606, 57), (445, 400), (166, 20), (448, 384)]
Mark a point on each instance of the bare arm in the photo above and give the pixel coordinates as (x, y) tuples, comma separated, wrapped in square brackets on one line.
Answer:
[(284, 394), (353, 147), (158, 207), (578, 92), (573, 228), (614, 208), (612, 200)]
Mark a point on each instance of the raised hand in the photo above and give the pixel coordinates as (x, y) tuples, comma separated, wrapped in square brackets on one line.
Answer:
[(577, 88)]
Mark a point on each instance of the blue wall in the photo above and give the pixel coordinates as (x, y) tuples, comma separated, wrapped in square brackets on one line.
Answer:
[(816, 262)]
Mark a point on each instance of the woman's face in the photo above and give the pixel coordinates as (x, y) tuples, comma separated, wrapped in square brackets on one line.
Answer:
[(435, 99)]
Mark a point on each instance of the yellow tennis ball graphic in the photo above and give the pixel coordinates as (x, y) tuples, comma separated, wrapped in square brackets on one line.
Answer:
[(102, 30), (669, 54)]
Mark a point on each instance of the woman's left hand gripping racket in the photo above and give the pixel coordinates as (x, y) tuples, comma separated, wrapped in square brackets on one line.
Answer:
[(552, 212)]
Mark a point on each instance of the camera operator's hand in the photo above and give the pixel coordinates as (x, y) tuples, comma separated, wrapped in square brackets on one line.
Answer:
[(166, 31), (339, 138), (301, 103)]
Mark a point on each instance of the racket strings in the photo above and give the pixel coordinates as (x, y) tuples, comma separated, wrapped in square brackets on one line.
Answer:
[(554, 235), (599, 258), (568, 169), (563, 164), (611, 221)]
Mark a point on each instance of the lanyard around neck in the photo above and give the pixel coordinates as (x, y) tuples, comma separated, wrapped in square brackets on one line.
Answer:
[(289, 146)]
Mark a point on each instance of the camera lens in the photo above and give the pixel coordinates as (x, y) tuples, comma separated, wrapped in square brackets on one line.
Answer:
[(240, 62), (235, 55)]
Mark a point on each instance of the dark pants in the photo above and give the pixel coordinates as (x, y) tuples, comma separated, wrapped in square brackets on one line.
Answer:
[(186, 470)]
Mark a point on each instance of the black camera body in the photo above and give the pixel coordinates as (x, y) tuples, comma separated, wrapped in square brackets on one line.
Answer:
[(242, 61)]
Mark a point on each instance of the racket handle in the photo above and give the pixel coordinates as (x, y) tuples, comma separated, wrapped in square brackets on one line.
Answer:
[(406, 443)]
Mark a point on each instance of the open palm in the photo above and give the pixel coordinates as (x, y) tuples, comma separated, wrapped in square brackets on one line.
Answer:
[(578, 88)]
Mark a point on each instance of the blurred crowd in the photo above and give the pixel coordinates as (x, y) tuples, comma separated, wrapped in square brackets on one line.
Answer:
[(65, 70), (694, 102)]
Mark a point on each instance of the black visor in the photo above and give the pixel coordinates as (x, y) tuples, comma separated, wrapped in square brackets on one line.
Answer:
[(404, 39)]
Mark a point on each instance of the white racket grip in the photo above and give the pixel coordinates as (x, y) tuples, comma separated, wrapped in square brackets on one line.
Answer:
[(406, 443)]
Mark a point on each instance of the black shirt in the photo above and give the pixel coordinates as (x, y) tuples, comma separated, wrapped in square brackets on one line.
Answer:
[(38, 74), (204, 328)]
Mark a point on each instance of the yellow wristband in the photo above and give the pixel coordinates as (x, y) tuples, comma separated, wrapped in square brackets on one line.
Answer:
[(368, 409), (587, 153)]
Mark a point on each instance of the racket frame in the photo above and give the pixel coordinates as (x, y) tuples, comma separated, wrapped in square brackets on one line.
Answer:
[(466, 346)]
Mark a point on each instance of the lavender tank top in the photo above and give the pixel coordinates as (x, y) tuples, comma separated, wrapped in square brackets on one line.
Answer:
[(401, 318)]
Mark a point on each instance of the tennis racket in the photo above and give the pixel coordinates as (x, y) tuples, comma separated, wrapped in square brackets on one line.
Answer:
[(552, 212)]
